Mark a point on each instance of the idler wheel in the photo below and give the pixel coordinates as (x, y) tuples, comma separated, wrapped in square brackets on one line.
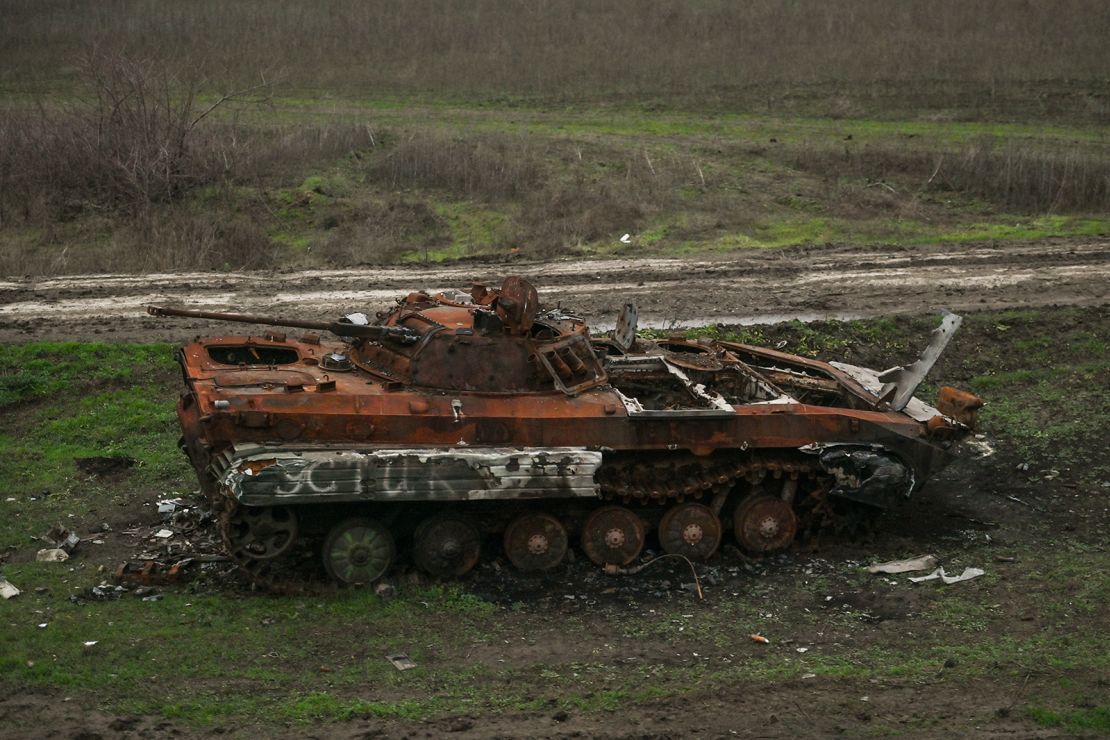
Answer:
[(690, 529), (261, 532), (764, 524), (613, 535), (446, 546), (535, 542), (358, 551)]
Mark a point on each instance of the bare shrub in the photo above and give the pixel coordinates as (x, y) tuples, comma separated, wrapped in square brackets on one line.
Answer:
[(133, 138), (1015, 176), (275, 153), (383, 232), (1065, 180), (175, 238), (476, 166), (161, 239), (574, 215)]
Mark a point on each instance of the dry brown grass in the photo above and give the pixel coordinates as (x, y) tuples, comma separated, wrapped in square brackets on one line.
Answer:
[(473, 166), (1011, 175), (995, 56)]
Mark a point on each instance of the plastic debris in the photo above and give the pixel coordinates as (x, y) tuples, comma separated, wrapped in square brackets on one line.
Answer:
[(939, 574), (627, 238), (401, 661), (90, 643), (802, 649), (760, 639), (924, 562), (7, 590), (52, 555), (164, 534), (169, 506)]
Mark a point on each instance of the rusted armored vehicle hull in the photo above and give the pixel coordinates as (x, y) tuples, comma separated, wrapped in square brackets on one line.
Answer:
[(453, 419)]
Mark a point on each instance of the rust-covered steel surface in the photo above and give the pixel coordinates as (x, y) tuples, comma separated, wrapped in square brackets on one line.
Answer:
[(453, 420)]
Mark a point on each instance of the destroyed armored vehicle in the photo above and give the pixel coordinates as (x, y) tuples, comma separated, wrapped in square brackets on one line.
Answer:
[(456, 422)]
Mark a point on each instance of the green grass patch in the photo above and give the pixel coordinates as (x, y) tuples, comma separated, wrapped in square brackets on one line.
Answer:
[(1096, 719), (64, 401)]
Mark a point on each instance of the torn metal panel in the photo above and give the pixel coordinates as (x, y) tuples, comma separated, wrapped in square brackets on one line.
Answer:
[(314, 475), (624, 334), (915, 408), (901, 382)]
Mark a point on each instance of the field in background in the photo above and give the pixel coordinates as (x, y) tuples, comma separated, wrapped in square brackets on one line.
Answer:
[(361, 133), (991, 58)]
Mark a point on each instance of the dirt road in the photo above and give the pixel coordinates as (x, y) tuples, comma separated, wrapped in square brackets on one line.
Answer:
[(754, 287)]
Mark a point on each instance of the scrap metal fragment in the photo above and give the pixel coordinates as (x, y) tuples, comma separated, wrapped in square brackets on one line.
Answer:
[(152, 573), (401, 661), (624, 334), (924, 562), (901, 382)]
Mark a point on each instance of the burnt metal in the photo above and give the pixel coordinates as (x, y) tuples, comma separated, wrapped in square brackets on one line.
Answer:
[(450, 414), (535, 542), (901, 382), (690, 529), (358, 551), (446, 546), (613, 535), (764, 524)]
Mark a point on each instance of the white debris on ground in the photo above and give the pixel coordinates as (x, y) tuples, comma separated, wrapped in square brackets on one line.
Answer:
[(924, 562), (7, 589), (940, 575)]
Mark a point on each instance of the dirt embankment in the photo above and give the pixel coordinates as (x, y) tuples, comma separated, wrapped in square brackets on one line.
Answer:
[(763, 287)]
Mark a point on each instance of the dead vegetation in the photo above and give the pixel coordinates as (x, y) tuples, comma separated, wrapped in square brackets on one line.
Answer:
[(840, 58), (1012, 175), (174, 152)]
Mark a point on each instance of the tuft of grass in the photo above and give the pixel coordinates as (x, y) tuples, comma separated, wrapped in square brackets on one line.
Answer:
[(1095, 719)]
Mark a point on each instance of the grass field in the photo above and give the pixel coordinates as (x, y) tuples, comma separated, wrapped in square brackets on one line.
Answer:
[(211, 655), (140, 136), (134, 138)]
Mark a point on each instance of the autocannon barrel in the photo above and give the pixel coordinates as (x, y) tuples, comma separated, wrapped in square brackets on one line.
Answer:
[(339, 328)]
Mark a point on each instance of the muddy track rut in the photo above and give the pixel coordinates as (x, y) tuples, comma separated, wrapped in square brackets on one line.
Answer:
[(751, 287)]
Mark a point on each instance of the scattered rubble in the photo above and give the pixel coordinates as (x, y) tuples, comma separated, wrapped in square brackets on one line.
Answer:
[(152, 572), (58, 537)]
